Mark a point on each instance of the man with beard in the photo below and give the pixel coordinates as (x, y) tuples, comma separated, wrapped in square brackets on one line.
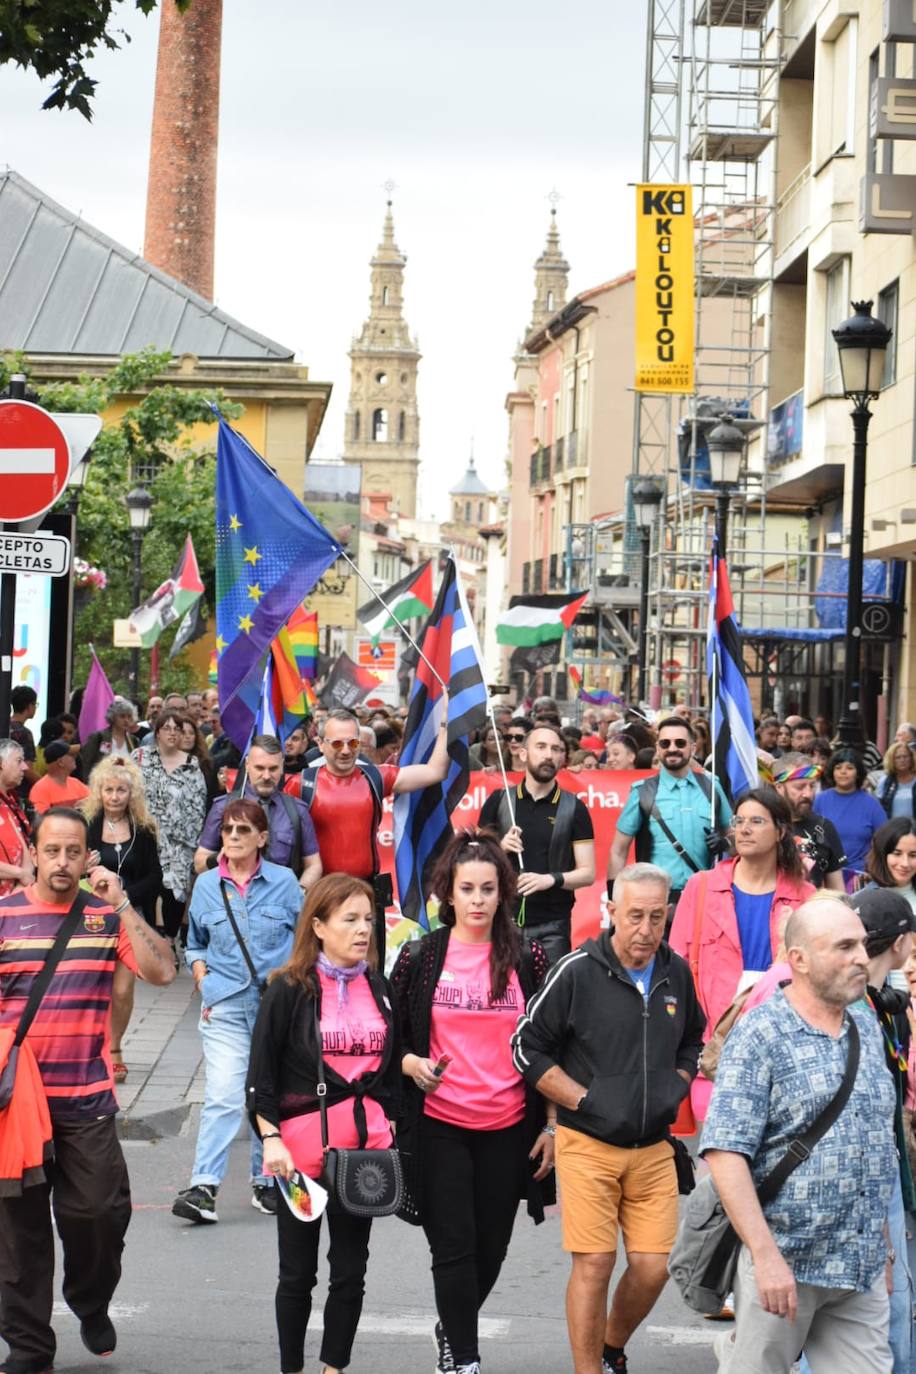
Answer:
[(548, 834), (84, 1175), (823, 855), (669, 814)]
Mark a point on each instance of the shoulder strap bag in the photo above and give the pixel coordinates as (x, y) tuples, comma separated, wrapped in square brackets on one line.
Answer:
[(361, 1182), (238, 935), (705, 1254), (40, 985)]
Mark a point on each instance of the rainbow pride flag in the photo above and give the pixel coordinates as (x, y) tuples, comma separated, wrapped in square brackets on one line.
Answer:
[(301, 631), (599, 698)]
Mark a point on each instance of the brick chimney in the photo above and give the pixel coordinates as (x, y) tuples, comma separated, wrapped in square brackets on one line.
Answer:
[(181, 194)]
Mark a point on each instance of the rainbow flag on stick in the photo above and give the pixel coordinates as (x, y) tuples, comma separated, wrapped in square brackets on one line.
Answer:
[(598, 698)]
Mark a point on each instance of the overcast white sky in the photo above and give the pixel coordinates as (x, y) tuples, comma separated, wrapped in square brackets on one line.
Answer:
[(475, 110)]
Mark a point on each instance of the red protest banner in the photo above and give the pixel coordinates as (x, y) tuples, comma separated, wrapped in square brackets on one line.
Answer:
[(604, 792)]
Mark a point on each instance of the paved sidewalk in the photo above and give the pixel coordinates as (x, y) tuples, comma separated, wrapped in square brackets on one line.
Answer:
[(162, 1051)]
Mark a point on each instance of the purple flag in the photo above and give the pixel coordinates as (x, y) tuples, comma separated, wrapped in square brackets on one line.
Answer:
[(97, 697)]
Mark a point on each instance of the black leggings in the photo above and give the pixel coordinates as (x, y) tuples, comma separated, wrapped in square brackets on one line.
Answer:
[(348, 1255), (472, 1182)]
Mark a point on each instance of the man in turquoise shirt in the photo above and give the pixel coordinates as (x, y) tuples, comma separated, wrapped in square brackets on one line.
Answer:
[(682, 802)]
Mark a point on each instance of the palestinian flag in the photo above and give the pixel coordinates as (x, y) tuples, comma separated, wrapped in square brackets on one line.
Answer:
[(408, 599), (169, 601), (538, 619)]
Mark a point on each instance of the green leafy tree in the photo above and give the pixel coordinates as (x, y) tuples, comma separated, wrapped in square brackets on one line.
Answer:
[(55, 38), (149, 442)]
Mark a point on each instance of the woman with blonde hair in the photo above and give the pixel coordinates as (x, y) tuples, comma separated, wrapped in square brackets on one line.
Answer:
[(122, 833), (328, 1001), (895, 791)]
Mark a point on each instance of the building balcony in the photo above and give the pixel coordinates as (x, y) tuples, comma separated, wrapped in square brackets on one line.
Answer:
[(537, 577), (541, 466), (558, 455), (799, 18), (793, 221), (808, 448)]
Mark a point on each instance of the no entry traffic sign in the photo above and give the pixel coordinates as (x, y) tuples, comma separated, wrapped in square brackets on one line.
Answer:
[(34, 460)]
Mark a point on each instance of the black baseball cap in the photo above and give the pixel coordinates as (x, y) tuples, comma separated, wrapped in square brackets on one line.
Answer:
[(56, 750), (884, 911)]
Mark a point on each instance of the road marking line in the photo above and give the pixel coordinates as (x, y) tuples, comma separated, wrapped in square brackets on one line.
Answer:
[(682, 1335), (488, 1328), (27, 462), (118, 1311)]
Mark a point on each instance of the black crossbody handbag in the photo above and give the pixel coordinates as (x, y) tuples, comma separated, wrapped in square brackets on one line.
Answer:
[(364, 1183), (36, 994), (261, 987)]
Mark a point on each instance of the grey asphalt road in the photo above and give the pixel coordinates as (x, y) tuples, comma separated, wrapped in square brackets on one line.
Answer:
[(200, 1299)]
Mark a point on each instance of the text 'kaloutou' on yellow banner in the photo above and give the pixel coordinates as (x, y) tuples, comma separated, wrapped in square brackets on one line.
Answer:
[(664, 289)]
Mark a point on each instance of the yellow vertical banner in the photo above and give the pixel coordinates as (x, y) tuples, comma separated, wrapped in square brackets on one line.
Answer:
[(664, 289)]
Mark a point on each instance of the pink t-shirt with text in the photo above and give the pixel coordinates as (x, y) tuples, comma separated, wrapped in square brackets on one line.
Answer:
[(352, 1039), (480, 1088)]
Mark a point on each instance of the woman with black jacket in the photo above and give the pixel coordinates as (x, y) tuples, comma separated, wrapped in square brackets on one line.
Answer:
[(330, 981), (479, 1139)]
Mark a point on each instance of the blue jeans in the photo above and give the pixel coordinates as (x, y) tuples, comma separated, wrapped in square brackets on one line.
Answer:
[(900, 1335), (227, 1044)]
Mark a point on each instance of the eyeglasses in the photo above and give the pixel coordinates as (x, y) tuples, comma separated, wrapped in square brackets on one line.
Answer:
[(516, 739), (738, 822), (341, 745), (672, 744), (170, 725), (231, 828)]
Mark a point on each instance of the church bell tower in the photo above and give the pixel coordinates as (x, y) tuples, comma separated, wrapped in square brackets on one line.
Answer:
[(382, 426)]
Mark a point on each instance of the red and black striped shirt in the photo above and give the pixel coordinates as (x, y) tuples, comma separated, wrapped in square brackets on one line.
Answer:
[(69, 1036)]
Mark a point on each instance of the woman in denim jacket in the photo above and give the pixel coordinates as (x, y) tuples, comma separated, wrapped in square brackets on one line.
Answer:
[(265, 901)]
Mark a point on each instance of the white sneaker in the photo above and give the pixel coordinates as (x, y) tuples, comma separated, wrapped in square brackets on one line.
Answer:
[(472, 1368)]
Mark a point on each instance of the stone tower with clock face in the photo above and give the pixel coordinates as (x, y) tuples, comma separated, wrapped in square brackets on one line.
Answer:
[(382, 426)]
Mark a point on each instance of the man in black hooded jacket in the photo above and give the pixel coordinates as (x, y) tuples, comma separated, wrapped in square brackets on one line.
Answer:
[(613, 1038)]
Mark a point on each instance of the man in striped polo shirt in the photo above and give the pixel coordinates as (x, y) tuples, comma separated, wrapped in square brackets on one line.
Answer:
[(69, 1038)]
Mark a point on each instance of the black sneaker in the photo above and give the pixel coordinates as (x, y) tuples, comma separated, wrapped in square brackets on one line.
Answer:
[(197, 1203), (445, 1364), (617, 1366), (27, 1364), (264, 1199), (98, 1335)]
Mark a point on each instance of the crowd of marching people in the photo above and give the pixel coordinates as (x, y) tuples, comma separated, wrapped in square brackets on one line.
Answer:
[(753, 992)]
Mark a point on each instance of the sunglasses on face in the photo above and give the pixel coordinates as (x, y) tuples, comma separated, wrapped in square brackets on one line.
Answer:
[(238, 829), (672, 744), (516, 739), (341, 745)]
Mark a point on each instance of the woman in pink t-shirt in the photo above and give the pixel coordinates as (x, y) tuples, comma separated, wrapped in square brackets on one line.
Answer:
[(333, 961), (480, 1138)]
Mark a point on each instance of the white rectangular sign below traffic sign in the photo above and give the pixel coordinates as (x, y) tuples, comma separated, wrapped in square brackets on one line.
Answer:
[(34, 553)]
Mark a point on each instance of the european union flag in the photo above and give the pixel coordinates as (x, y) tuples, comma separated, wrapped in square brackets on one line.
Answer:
[(270, 552)]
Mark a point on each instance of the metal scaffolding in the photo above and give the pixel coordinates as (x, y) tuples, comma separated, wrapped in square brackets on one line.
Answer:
[(728, 67)]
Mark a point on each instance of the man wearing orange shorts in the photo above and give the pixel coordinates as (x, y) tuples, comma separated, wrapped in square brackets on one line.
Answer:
[(613, 1038)]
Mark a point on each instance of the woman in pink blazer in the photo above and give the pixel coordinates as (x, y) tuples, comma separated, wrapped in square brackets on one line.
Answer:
[(728, 921)]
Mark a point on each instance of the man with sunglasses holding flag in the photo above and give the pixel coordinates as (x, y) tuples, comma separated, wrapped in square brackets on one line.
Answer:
[(669, 814)]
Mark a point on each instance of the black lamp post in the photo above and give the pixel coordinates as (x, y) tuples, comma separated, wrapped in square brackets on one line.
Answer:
[(647, 493), (139, 509), (726, 444), (862, 344)]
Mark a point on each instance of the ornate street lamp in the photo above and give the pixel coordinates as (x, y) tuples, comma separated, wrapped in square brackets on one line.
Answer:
[(726, 444), (862, 344), (139, 510), (647, 494)]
